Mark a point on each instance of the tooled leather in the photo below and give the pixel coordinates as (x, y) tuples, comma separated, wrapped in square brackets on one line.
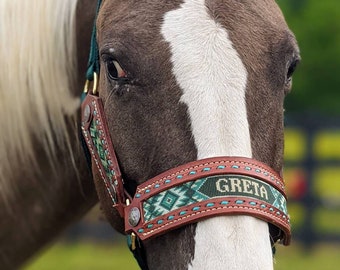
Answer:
[(276, 181), (233, 165), (168, 180), (232, 208), (115, 189)]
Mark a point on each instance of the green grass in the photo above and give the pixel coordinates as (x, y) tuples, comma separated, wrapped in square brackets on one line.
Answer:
[(88, 256), (85, 256), (324, 257)]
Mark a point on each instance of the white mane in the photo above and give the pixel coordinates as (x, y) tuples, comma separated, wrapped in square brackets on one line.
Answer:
[(37, 62)]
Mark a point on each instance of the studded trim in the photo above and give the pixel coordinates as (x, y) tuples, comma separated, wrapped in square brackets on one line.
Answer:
[(205, 188), (188, 193), (98, 140)]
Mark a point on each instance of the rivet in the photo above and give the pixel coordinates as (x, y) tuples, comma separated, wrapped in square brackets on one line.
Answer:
[(87, 113), (134, 216)]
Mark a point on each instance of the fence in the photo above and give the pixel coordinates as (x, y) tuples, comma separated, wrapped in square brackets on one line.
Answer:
[(312, 174)]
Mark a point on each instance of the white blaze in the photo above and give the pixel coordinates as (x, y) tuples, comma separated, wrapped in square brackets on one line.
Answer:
[(213, 80)]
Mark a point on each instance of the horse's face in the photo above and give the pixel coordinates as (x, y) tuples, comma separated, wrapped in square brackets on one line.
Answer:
[(185, 80)]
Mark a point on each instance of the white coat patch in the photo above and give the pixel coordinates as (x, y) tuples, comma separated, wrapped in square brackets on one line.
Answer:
[(213, 80)]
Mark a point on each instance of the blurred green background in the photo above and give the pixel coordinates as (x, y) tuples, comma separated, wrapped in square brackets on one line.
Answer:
[(312, 154)]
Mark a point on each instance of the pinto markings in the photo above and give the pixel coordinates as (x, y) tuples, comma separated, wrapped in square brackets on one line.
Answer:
[(213, 80)]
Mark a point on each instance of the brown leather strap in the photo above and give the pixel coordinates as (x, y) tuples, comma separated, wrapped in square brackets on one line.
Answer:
[(246, 177), (98, 140), (221, 186)]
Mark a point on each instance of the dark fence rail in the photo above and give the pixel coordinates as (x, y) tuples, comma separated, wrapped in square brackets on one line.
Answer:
[(308, 232)]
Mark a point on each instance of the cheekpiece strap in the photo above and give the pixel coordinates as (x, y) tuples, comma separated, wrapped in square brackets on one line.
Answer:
[(97, 137)]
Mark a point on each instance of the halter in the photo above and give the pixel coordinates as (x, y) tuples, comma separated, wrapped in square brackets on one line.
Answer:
[(183, 195)]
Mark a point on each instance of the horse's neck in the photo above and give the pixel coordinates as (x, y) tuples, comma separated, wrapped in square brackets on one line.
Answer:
[(48, 197), (43, 204)]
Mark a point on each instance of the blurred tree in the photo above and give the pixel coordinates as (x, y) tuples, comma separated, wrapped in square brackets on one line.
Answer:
[(316, 25)]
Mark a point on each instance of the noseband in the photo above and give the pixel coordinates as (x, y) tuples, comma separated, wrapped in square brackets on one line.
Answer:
[(183, 195)]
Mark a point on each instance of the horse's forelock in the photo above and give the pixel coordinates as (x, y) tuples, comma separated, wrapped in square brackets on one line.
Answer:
[(37, 63)]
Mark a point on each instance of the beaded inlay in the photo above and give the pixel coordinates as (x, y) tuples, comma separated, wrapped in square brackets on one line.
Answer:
[(220, 186), (98, 144)]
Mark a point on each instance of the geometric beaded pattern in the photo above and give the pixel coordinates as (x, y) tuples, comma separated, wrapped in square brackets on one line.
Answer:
[(220, 186), (99, 143)]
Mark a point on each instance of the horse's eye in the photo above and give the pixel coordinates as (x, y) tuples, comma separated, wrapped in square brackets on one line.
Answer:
[(291, 69), (114, 70)]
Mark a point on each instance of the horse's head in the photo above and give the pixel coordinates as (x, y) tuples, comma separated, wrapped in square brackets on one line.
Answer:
[(187, 80)]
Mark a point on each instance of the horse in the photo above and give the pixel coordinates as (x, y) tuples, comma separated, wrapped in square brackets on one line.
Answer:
[(182, 82)]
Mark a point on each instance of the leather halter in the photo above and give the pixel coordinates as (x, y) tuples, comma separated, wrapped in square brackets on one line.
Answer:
[(186, 194), (183, 195)]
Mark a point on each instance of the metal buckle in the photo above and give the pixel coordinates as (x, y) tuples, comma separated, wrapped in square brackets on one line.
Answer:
[(95, 84)]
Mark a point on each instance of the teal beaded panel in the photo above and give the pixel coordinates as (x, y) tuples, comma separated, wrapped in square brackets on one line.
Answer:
[(220, 186)]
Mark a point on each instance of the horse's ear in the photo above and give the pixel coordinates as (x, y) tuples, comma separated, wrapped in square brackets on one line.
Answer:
[(111, 214)]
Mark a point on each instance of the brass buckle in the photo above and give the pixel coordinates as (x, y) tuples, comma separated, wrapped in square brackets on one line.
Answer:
[(95, 84)]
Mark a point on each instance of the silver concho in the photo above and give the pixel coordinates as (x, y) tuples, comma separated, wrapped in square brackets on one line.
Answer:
[(87, 113), (134, 216)]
